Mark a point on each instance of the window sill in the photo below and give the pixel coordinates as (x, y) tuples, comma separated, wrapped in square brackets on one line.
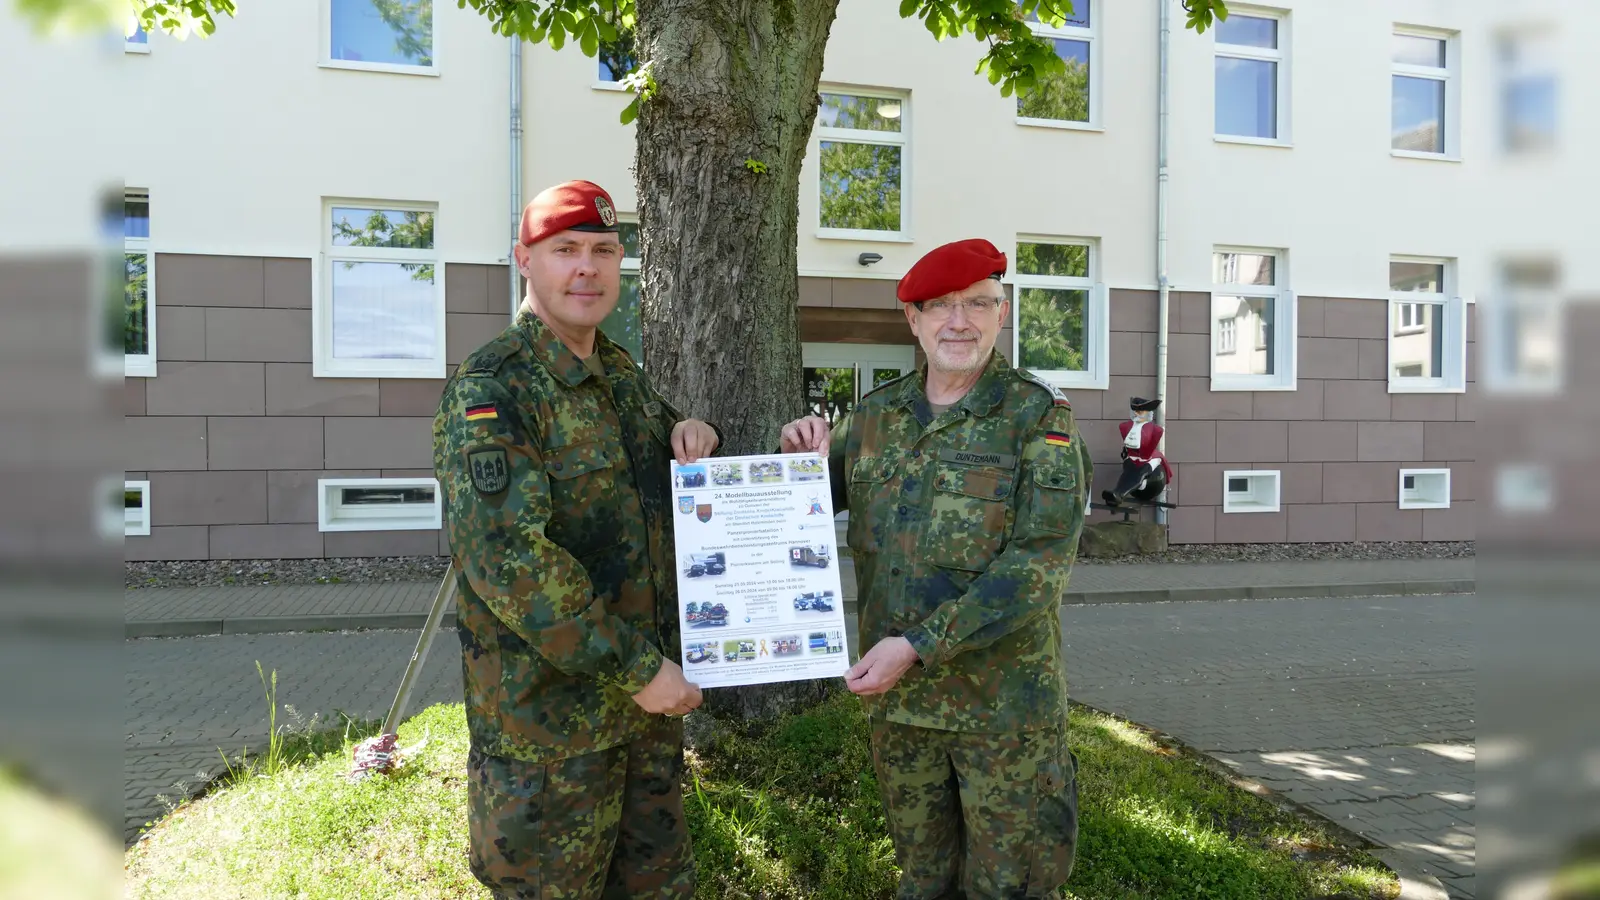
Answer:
[(426, 369), (1252, 142), (613, 86), (1401, 386), (1077, 381), (136, 48), (1229, 385), (1415, 154), (139, 368), (390, 68), (1234, 508), (1061, 125), (844, 234)]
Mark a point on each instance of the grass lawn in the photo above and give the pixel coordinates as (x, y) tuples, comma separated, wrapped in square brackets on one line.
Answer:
[(791, 812)]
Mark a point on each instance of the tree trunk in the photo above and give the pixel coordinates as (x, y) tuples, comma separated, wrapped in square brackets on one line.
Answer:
[(735, 93)]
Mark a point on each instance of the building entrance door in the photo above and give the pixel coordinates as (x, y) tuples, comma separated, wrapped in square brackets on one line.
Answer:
[(837, 375)]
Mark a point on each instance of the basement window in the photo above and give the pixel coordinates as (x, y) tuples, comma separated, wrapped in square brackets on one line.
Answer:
[(378, 504), (1254, 491), (1424, 488), (135, 508), (1524, 489)]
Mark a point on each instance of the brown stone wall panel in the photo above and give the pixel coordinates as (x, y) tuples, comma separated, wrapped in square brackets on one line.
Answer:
[(1354, 318), (1389, 441), (1326, 358), (1449, 441), (133, 396), (1135, 310), (1191, 441), (379, 443), (1105, 445), (266, 542), (1361, 483), (380, 543), (1201, 483), (466, 332), (1196, 400), (1251, 442), (1322, 523), (444, 542), (1309, 315), (1188, 356), (1387, 522), (466, 289), (1087, 405), (1119, 388), (1252, 528), (180, 333), (816, 291), (293, 391), (258, 335), (178, 542), (1464, 481), (1192, 525), (1322, 442), (208, 498), (292, 495), (406, 473), (264, 443), (410, 396), (1299, 483), (288, 283), (207, 389), (164, 443), (195, 280), (1372, 360), (1127, 352), (1423, 407), (865, 293), (1458, 523), (498, 289), (1191, 313), (1467, 404), (1302, 403), (1356, 401)]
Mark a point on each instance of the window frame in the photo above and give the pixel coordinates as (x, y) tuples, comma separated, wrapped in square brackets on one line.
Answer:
[(1090, 36), (1096, 374), (1519, 63), (901, 139), (140, 526), (1498, 334), (141, 365), (1452, 322), (324, 364), (1414, 502), (1273, 476), (1279, 55), (1285, 314), (423, 517), (1452, 89), (326, 60)]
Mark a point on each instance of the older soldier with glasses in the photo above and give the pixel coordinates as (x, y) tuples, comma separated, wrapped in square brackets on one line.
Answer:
[(966, 483)]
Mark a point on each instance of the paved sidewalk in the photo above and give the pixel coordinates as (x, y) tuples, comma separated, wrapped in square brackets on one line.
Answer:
[(175, 612)]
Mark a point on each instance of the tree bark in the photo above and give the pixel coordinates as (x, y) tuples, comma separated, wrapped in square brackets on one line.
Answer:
[(735, 81)]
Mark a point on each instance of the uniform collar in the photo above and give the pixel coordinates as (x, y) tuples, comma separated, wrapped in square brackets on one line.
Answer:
[(551, 352), (989, 391)]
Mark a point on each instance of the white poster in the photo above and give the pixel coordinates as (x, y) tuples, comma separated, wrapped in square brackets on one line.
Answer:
[(758, 570)]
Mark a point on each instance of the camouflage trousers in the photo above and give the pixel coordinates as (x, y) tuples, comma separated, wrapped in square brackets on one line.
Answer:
[(606, 825), (978, 816)]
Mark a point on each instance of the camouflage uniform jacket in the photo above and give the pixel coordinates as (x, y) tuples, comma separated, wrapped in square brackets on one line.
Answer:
[(963, 528), (556, 503)]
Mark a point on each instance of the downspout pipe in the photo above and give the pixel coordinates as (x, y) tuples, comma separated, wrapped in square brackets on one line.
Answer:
[(516, 167), (1163, 286)]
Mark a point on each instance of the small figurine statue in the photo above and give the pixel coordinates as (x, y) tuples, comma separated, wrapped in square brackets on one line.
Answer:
[(1145, 473)]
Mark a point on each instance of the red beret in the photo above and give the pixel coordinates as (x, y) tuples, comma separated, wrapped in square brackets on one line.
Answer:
[(950, 268), (578, 205)]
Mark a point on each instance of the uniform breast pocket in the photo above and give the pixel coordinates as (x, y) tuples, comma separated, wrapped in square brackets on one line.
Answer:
[(1057, 506), (970, 516), (868, 487), (582, 497)]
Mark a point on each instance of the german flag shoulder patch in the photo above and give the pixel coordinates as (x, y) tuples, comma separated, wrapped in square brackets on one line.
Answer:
[(480, 411), (1058, 439)]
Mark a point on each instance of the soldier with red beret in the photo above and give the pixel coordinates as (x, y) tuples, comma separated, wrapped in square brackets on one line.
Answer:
[(552, 451), (967, 483)]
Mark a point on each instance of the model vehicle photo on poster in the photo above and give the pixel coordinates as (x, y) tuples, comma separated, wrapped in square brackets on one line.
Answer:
[(758, 582)]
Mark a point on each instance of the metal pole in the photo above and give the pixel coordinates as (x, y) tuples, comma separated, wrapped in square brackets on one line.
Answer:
[(402, 697), (1163, 301)]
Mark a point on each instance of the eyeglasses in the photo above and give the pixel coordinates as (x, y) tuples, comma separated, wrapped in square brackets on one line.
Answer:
[(976, 306)]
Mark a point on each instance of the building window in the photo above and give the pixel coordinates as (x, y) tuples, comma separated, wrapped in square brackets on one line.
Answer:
[(1527, 92), (1252, 77), (616, 58), (1524, 488), (623, 325), (135, 508), (1252, 491), (1061, 329), (381, 35), (1249, 298), (138, 42), (1427, 327), (380, 304), (139, 299), (378, 504), (1524, 338), (1424, 488), (1423, 114), (1069, 98), (861, 157)]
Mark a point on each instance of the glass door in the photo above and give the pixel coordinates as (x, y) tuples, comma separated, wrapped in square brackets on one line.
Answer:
[(837, 375)]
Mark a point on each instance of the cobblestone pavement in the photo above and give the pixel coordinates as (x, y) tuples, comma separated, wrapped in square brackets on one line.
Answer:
[(1362, 708)]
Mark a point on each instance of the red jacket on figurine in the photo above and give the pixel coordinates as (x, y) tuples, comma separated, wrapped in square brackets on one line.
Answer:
[(1149, 444)]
